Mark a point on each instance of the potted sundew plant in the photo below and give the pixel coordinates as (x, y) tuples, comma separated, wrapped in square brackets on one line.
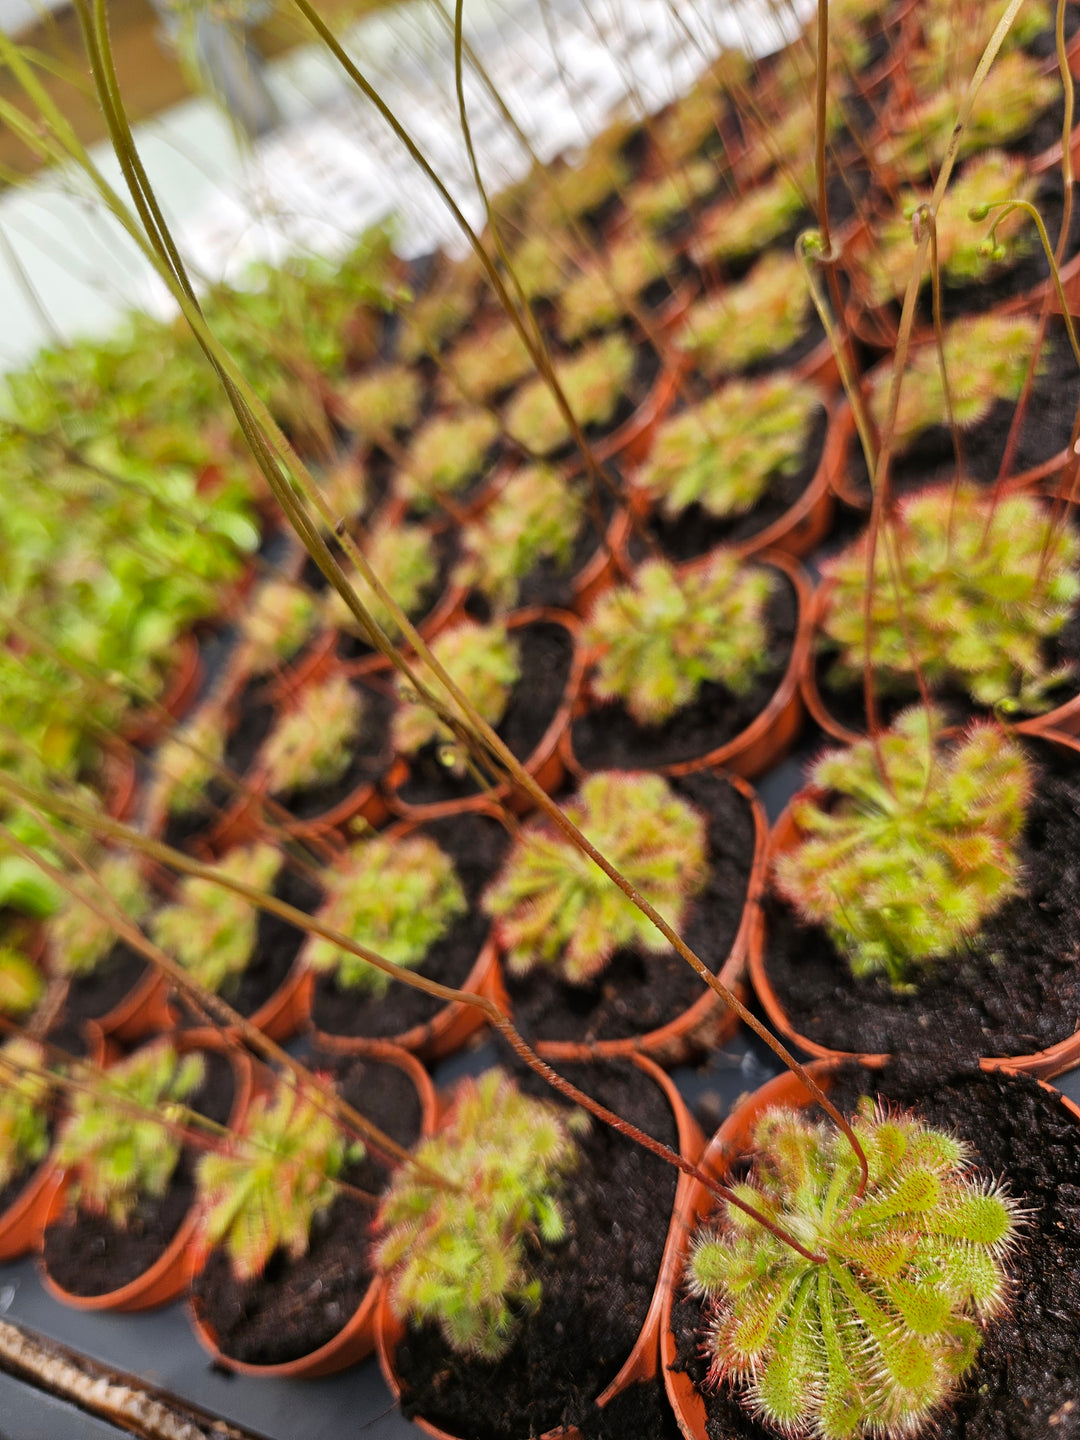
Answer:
[(634, 277), (277, 624), (763, 322), (449, 462), (534, 544), (481, 368), (431, 320), (26, 1103), (412, 896), (384, 404), (901, 1315), (201, 796), (539, 1278), (584, 968), (599, 384), (928, 876), (229, 946), (984, 610), (108, 980), (667, 205), (733, 232), (689, 666), (520, 675), (122, 1217), (742, 467), (281, 1281), (414, 566), (327, 751)]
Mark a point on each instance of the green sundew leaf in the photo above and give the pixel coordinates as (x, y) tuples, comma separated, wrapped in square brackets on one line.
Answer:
[(924, 1307), (786, 1380), (979, 1219)]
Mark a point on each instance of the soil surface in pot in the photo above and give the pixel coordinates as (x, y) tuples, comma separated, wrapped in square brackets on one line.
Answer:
[(277, 944), (370, 755), (694, 530), (477, 845), (1025, 1384), (547, 653), (930, 459), (89, 1254), (112, 980), (638, 993), (254, 715), (1014, 990), (596, 1286), (641, 1411), (608, 737), (296, 1306)]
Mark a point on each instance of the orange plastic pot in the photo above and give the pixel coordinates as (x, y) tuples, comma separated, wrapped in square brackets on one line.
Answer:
[(708, 1021), (143, 1011), (167, 1278), (545, 764), (631, 442), (641, 1363), (1043, 1064), (25, 1218), (599, 573), (118, 778), (1063, 719), (447, 609), (768, 738), (356, 1338), (182, 684)]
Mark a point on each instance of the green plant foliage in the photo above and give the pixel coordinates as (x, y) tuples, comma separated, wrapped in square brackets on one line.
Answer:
[(536, 517), (593, 381), (187, 761), (21, 986), (265, 1191), (577, 191), (481, 366), (602, 293), (277, 622), (405, 559), (554, 906), (397, 897), (24, 1118), (78, 939), (954, 35), (874, 1339), (429, 322), (1013, 95), (119, 1157), (210, 930), (383, 401), (658, 639), (724, 453), (985, 584), (986, 359), (760, 316), (748, 224), (694, 120), (312, 742), (447, 452), (485, 664), (655, 204), (986, 180), (457, 1254), (539, 267), (914, 848)]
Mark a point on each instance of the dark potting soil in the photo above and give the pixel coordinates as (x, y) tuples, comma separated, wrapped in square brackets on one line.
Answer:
[(89, 1254), (846, 702), (1013, 991), (694, 530), (369, 758), (477, 845), (254, 716), (608, 737), (296, 1306), (547, 652), (596, 1286), (1025, 1384), (638, 993), (112, 980), (353, 647), (640, 1411), (931, 459)]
